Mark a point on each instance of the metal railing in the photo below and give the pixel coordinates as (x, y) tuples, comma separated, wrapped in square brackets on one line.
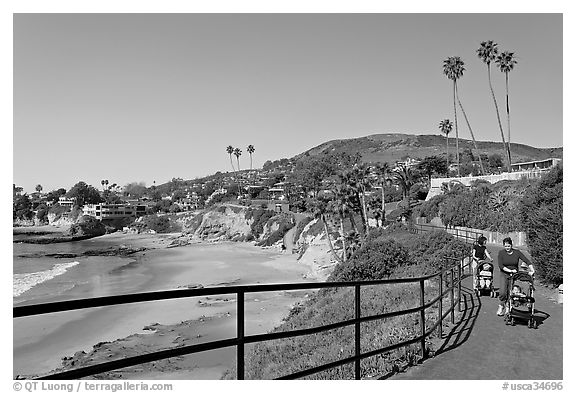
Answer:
[(449, 282), (464, 234)]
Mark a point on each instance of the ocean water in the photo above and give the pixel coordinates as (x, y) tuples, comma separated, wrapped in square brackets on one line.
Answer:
[(39, 277)]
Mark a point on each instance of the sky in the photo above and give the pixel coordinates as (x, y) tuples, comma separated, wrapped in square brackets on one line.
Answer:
[(150, 97)]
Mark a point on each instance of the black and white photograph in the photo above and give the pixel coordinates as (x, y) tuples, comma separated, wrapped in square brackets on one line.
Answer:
[(287, 195)]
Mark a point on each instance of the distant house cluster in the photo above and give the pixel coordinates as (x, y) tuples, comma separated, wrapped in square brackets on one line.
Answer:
[(104, 211)]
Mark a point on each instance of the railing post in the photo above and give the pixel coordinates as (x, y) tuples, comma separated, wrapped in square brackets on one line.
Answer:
[(440, 286), (422, 321), (459, 288), (357, 330), (452, 294), (240, 331)]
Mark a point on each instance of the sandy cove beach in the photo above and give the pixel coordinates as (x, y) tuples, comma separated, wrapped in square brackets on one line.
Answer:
[(119, 331)]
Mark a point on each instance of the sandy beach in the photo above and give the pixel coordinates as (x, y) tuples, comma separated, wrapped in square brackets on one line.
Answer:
[(41, 342)]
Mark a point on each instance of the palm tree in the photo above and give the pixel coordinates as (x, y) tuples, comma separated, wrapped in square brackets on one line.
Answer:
[(471, 133), (446, 128), (487, 53), (360, 180), (340, 205), (103, 182), (506, 61), (454, 69), (230, 150), (321, 209), (405, 178), (250, 149), (38, 188), (384, 173), (238, 153)]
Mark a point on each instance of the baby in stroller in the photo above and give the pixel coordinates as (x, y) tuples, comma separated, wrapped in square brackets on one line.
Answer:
[(483, 271), (484, 279), (521, 300)]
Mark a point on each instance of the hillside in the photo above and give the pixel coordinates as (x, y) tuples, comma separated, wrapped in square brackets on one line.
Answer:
[(394, 147)]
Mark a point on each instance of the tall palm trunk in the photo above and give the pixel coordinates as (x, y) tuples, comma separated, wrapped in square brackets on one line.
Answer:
[(506, 151), (456, 128), (471, 133), (364, 210), (383, 205), (352, 221), (508, 116), (328, 238), (237, 176), (447, 155), (231, 163), (343, 237)]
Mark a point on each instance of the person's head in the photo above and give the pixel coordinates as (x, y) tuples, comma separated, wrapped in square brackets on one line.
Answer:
[(507, 242), (482, 240), (516, 289), (486, 267)]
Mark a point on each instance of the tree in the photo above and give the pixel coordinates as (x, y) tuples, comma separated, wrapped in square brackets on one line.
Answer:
[(230, 151), (432, 164), (384, 173), (54, 196), (470, 129), (495, 161), (39, 188), (454, 69), (405, 177), (22, 207), (340, 206), (506, 61), (250, 149), (16, 191), (84, 194), (320, 209), (487, 53), (238, 153), (446, 128), (135, 190)]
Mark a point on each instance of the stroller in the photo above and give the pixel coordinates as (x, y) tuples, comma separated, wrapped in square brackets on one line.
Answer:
[(484, 279), (520, 304)]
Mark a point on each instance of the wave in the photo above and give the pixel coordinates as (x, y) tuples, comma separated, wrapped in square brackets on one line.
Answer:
[(26, 281)]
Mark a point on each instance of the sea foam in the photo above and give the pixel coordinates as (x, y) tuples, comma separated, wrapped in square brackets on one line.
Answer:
[(26, 281)]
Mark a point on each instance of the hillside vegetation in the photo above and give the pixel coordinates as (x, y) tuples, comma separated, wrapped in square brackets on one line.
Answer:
[(531, 206), (389, 253), (394, 147)]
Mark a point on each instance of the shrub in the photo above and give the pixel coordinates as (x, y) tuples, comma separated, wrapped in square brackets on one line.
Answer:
[(261, 217), (87, 226), (159, 224), (374, 260), (278, 234), (300, 227), (429, 209), (541, 210)]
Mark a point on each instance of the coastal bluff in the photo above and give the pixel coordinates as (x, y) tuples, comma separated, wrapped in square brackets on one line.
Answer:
[(298, 233)]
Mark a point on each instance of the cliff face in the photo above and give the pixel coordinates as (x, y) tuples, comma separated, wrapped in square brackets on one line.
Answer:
[(223, 223), (230, 223)]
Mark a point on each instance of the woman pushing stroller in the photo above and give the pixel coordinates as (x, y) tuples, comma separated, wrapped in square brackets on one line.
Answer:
[(510, 261), (480, 254)]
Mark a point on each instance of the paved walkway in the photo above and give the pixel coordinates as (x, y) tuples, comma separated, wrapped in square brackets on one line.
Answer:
[(481, 346)]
